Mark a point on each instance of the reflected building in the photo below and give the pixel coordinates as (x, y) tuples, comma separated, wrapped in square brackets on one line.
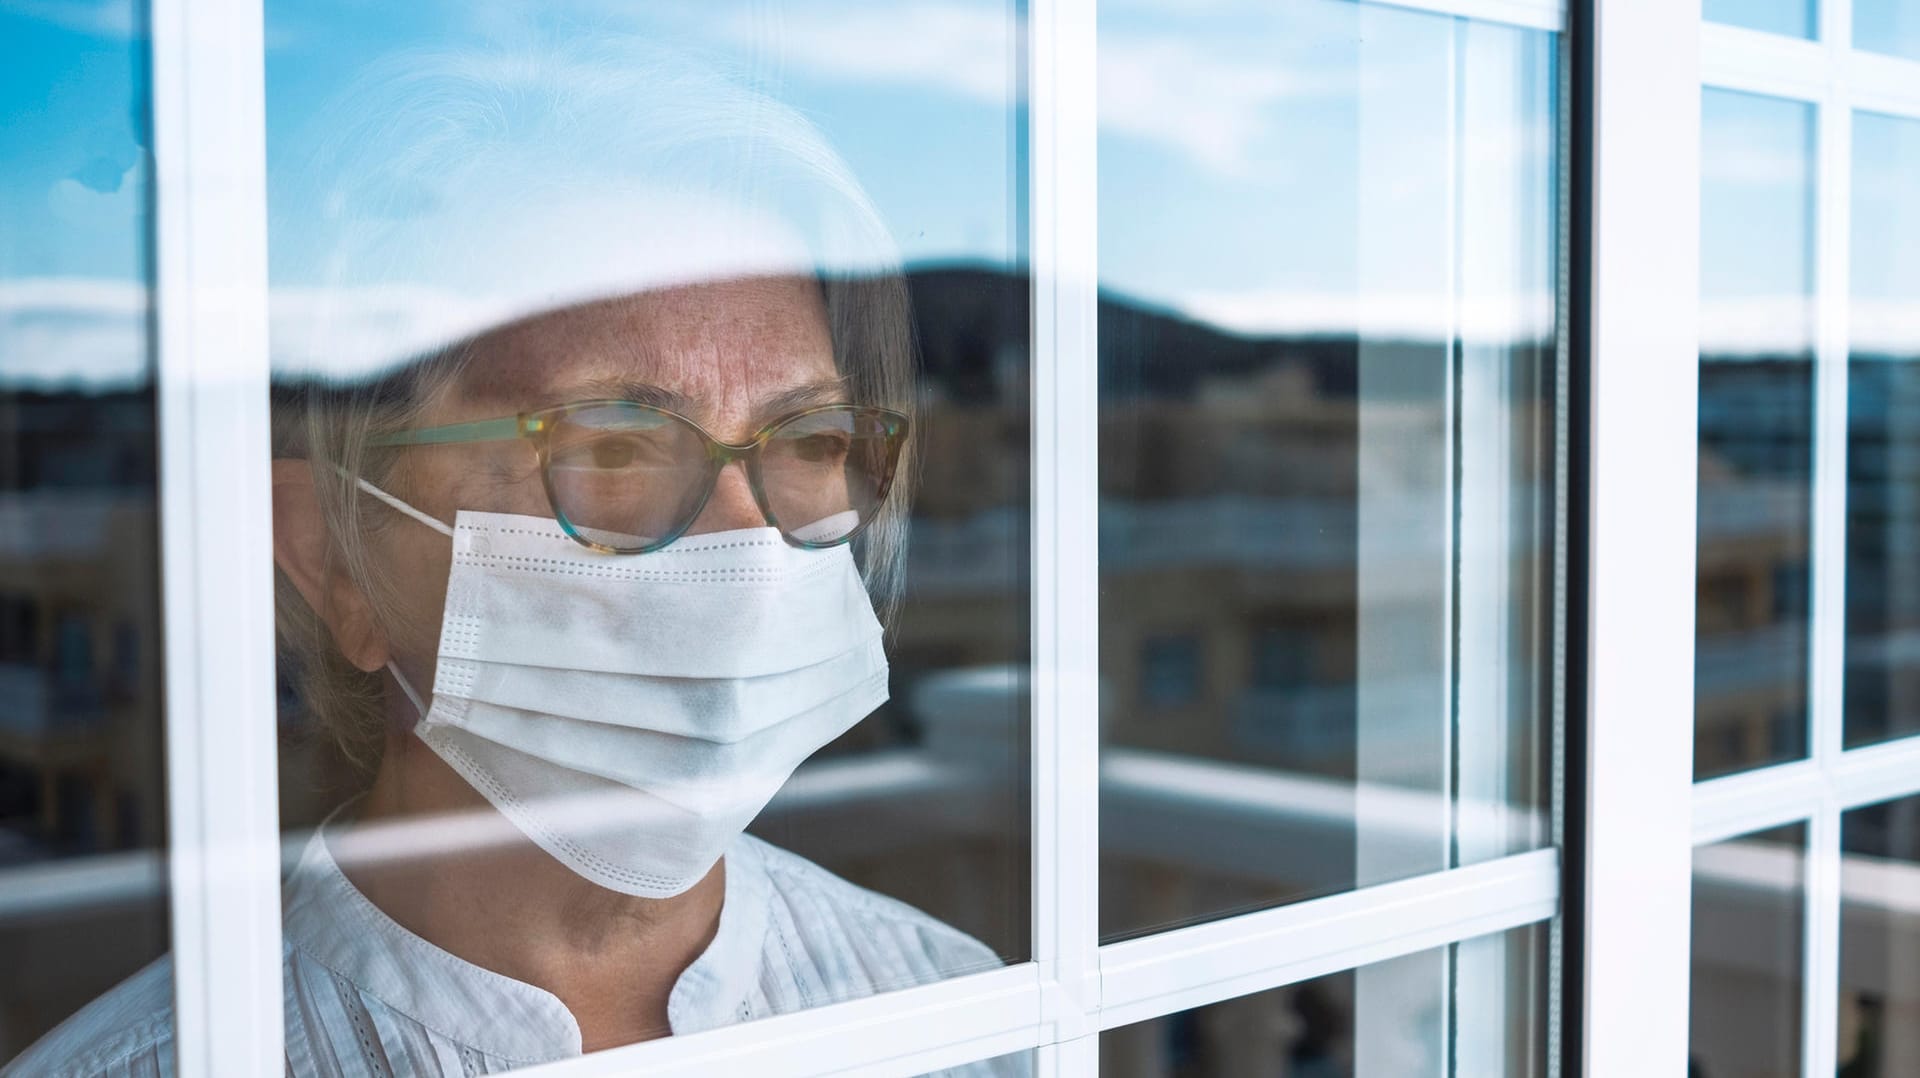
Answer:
[(1238, 477), (1753, 577), (81, 757), (1882, 687), (1233, 472)]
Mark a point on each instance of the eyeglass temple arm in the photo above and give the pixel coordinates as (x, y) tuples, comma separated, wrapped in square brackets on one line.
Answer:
[(480, 430)]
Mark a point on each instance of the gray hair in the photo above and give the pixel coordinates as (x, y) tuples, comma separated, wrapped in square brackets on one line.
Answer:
[(412, 132)]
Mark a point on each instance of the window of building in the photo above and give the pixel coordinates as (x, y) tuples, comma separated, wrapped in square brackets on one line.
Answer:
[(1170, 670), (1807, 186)]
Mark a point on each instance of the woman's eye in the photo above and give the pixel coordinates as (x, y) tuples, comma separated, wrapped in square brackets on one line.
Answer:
[(815, 448), (613, 453)]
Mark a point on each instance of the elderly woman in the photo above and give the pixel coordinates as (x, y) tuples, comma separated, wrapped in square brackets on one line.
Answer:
[(582, 580)]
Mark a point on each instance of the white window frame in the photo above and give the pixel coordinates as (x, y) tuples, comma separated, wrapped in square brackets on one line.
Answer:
[(1837, 80), (210, 319), (1642, 299), (225, 863)]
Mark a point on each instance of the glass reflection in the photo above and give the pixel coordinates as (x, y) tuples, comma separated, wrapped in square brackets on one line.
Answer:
[(1332, 344), (1880, 940), (1014, 1063), (1748, 940), (1400, 1017), (1883, 434), (1794, 18), (1889, 26), (546, 652), (1756, 432), (82, 811)]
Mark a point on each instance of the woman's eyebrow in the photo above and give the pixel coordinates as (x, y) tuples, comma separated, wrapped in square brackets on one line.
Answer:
[(826, 391), (792, 399), (625, 389)]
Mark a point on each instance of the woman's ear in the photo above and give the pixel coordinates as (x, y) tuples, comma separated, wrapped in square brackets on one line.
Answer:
[(300, 550)]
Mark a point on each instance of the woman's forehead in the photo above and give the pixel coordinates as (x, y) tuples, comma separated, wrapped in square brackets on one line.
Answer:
[(715, 347)]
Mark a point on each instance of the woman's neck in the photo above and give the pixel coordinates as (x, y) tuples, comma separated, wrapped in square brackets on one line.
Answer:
[(431, 853)]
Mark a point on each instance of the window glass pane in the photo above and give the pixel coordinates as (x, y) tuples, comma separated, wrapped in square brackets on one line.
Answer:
[(1748, 939), (1012, 1065), (1880, 940), (1794, 18), (1889, 26), (83, 903), (634, 367), (1883, 434), (1397, 1017), (1756, 431), (1327, 249)]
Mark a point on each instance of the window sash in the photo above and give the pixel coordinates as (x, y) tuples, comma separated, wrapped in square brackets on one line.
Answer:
[(1837, 80), (225, 863)]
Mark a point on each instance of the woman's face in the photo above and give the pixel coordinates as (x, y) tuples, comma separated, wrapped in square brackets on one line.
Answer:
[(730, 355)]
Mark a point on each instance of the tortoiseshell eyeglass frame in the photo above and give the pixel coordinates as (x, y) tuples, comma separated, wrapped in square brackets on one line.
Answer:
[(537, 427)]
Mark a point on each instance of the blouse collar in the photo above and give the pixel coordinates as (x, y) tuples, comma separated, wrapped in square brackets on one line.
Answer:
[(327, 918)]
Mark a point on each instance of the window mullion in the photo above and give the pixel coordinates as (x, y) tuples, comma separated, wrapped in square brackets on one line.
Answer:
[(1641, 336), (1065, 515), (1203, 964), (1832, 191), (215, 521), (1829, 538), (1820, 952)]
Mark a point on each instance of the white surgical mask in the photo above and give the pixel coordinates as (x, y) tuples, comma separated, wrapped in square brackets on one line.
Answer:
[(631, 714)]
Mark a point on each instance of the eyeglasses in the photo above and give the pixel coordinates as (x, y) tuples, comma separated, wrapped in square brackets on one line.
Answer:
[(628, 478)]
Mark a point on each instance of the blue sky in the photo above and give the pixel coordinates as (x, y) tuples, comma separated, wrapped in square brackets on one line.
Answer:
[(1889, 26), (1272, 167), (71, 149), (1795, 18), (935, 152), (1757, 176)]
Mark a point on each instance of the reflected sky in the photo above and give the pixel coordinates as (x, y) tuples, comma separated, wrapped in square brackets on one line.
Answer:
[(1889, 26), (1242, 122), (1886, 234), (1794, 18), (1756, 202), (1309, 143), (915, 97), (73, 160)]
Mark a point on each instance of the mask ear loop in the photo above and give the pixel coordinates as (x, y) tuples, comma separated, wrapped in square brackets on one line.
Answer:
[(400, 679), (406, 686), (402, 507), (397, 505)]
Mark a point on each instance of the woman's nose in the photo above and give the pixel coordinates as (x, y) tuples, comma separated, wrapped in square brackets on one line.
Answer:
[(731, 506)]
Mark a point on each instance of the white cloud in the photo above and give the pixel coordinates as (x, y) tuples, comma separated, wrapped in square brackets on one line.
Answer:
[(1191, 98), (351, 333), (92, 335), (1754, 164), (1777, 324), (1742, 326), (70, 333), (67, 333), (1178, 93), (77, 204), (1756, 325), (1378, 316), (967, 49)]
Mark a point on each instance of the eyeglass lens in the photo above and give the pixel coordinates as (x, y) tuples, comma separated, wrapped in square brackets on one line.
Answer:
[(824, 473), (628, 477)]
